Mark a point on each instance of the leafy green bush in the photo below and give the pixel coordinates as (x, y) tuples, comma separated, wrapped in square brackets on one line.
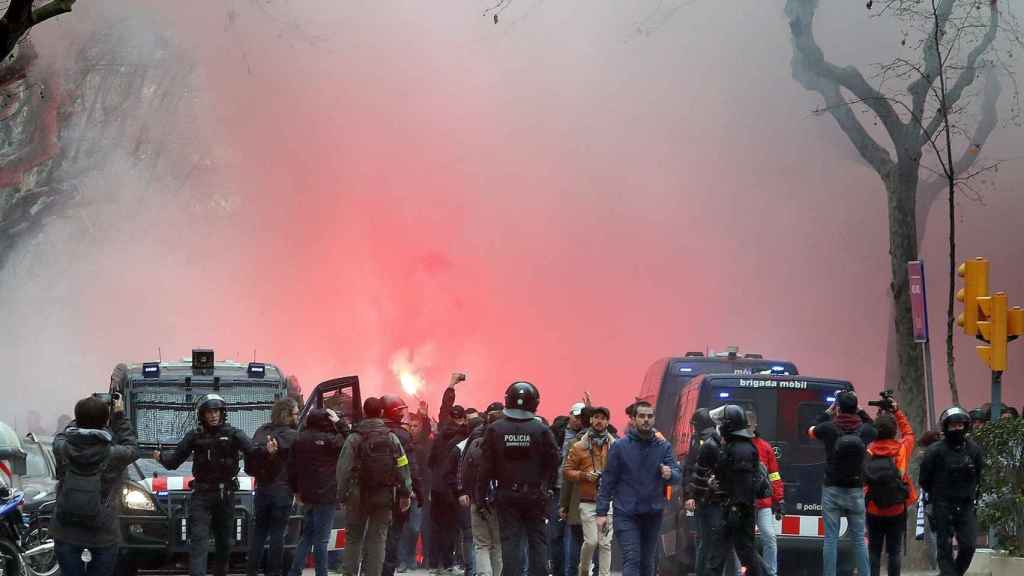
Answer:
[(1002, 486)]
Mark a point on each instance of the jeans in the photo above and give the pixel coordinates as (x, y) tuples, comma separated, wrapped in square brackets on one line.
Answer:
[(638, 538), (573, 540), (410, 537), (887, 531), (521, 518), (210, 511), (69, 557), (595, 540), (556, 536), (486, 541), (954, 519), (468, 550), (392, 544), (837, 502), (316, 530), (272, 507)]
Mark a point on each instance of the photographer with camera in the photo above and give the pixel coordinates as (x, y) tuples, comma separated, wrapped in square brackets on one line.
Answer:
[(584, 465), (846, 432), (888, 489), (90, 460)]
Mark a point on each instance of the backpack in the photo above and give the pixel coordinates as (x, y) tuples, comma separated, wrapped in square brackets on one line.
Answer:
[(884, 482), (377, 457), (81, 501), (848, 456)]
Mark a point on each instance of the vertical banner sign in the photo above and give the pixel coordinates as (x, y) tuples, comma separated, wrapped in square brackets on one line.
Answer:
[(918, 304)]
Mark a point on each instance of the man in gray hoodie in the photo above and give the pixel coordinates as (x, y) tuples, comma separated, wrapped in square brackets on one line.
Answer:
[(373, 471), (90, 461)]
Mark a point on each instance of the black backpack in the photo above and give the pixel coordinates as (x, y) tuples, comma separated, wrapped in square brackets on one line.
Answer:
[(82, 500), (378, 461), (848, 456), (884, 482)]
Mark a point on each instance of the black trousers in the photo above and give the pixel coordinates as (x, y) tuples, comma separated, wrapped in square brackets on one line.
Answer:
[(522, 517), (886, 531), (957, 519), (442, 530), (709, 518), (210, 511), (734, 532), (391, 545)]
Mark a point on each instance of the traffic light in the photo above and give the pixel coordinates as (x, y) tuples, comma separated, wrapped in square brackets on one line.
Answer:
[(975, 275), (1015, 323), (992, 327)]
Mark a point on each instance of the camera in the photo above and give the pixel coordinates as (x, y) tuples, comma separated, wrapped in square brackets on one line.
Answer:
[(108, 397), (886, 403)]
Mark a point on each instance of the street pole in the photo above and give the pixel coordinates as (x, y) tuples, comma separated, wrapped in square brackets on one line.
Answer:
[(928, 391), (997, 394)]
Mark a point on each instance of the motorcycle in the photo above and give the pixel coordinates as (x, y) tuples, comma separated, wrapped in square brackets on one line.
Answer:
[(25, 548)]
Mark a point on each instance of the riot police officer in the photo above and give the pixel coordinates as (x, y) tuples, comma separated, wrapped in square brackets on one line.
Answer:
[(700, 499), (736, 467), (394, 413), (951, 476), (520, 455), (215, 446)]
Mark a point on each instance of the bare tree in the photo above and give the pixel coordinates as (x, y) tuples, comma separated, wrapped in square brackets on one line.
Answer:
[(923, 120), (21, 16)]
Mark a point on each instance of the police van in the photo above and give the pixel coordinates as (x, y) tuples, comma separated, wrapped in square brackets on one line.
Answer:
[(160, 401), (786, 404)]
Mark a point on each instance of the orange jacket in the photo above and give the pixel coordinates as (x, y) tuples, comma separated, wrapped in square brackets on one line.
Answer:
[(900, 451)]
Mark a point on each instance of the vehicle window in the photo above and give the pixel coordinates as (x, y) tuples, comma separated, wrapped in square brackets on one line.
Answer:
[(35, 464), (806, 416), (683, 430), (760, 401)]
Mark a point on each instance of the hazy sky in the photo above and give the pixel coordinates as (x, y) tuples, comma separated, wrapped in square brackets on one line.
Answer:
[(564, 196)]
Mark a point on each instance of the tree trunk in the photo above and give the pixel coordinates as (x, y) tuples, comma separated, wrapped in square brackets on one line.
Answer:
[(901, 189)]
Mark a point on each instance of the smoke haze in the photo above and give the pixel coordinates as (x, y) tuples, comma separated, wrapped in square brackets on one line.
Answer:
[(564, 196)]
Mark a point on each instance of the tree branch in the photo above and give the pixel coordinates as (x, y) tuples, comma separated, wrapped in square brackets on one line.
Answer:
[(51, 9), (919, 88), (815, 73), (970, 71)]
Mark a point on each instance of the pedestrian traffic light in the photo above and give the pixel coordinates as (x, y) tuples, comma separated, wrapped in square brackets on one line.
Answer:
[(992, 327), (975, 275)]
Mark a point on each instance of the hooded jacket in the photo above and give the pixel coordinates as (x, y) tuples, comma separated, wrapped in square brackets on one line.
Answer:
[(85, 449), (314, 458), (633, 476), (586, 456), (899, 451), (348, 469), (829, 432)]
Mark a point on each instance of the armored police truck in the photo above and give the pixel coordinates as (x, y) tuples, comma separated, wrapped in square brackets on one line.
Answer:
[(160, 402), (786, 404)]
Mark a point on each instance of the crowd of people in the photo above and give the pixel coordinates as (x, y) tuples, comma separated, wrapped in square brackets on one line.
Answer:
[(503, 492)]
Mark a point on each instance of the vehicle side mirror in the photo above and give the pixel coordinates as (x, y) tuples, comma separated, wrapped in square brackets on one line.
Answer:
[(17, 457)]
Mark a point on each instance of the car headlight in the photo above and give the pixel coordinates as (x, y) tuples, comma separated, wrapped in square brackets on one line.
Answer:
[(136, 499)]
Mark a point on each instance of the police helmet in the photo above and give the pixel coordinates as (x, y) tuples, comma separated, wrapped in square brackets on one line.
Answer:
[(701, 419), (734, 422), (212, 402), (521, 400), (954, 414), (393, 406)]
